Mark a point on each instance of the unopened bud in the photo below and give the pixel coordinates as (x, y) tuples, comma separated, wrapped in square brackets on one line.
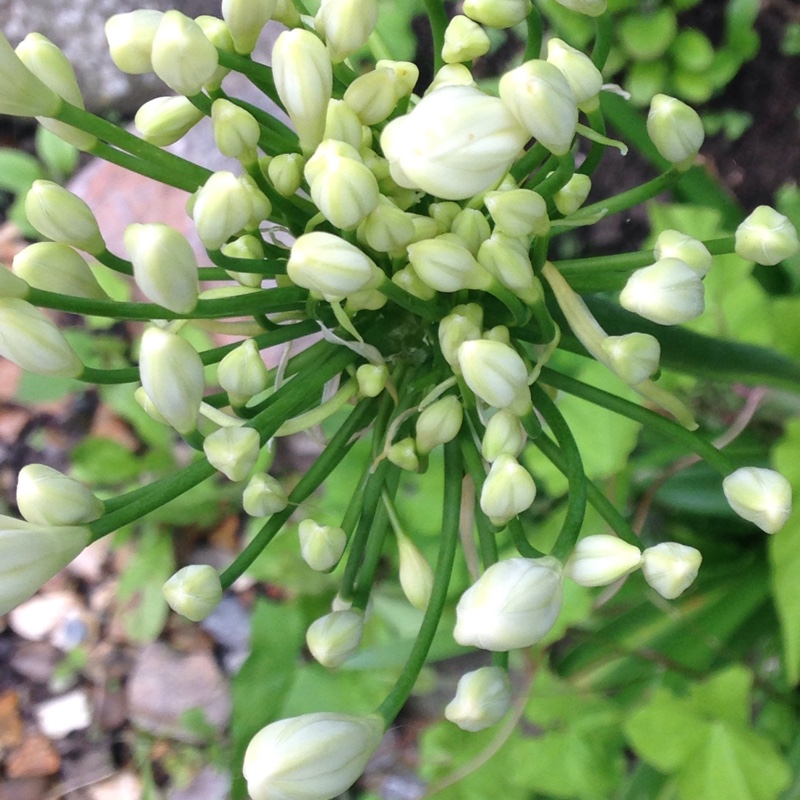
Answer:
[(182, 56), (674, 244), (444, 213), (582, 75), (675, 129), (403, 454), (236, 131), (446, 265), (387, 229), (58, 268), (46, 496), (668, 292), (264, 496), (164, 120), (483, 698), (464, 40), (416, 574), (504, 435), (408, 280), (286, 173), (572, 195), (602, 559), (332, 639), (507, 491), (62, 216), (245, 20), (507, 259), (406, 74), (670, 568), (23, 94), (194, 591), (472, 228), (761, 496), (451, 75), (373, 95), (243, 374), (518, 212), (372, 379), (496, 373), (592, 8), (222, 207), (233, 451), (497, 13), (766, 237), (461, 325), (634, 357), (439, 423), (130, 39), (246, 247), (343, 124), (346, 25), (321, 546)]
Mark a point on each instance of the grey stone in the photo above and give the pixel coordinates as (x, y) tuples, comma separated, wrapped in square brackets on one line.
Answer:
[(208, 784), (228, 624)]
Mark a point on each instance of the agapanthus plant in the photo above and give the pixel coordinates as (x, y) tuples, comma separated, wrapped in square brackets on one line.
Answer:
[(421, 220)]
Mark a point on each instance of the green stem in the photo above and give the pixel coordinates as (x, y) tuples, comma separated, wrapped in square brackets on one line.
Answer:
[(602, 40), (141, 167), (557, 179), (269, 268), (260, 75), (537, 155), (453, 473), (666, 427), (427, 309), (533, 44), (117, 263), (437, 15), (597, 123)]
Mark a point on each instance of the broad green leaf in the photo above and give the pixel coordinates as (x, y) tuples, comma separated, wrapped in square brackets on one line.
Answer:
[(34, 389), (60, 157), (100, 461), (725, 695), (554, 702), (18, 170)]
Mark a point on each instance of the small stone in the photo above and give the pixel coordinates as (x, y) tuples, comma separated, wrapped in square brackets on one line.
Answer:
[(111, 710), (23, 789), (88, 564), (208, 784), (35, 757), (60, 716), (37, 617), (125, 786), (229, 624), (10, 720), (35, 661)]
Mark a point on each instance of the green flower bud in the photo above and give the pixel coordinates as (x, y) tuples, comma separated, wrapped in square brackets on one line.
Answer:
[(572, 195), (57, 268), (13, 286), (676, 130), (424, 227), (130, 39), (668, 292), (446, 265), (261, 207), (164, 120), (483, 698), (264, 496), (518, 212), (541, 99), (287, 14), (602, 559), (182, 55), (314, 757), (140, 395), (343, 124), (373, 95), (634, 357), (766, 237), (461, 325), (46, 496), (507, 259), (504, 435), (329, 265), (172, 376), (761, 496), (164, 265), (496, 373), (499, 333), (285, 171), (346, 25), (444, 213), (455, 143), (243, 374), (670, 568), (403, 454), (464, 40), (63, 217), (692, 50), (582, 75), (52, 67), (30, 555), (332, 639), (219, 34), (472, 228), (646, 36), (245, 20), (451, 75), (233, 451), (321, 546), (408, 280), (674, 244), (23, 94), (592, 8), (406, 74), (194, 591), (416, 574), (497, 13), (236, 131), (222, 207), (507, 491), (439, 423), (303, 77), (387, 229), (514, 604), (372, 379), (33, 342), (245, 247)]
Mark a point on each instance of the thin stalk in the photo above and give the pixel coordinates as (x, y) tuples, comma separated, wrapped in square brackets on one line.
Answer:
[(602, 40), (117, 263), (560, 177), (427, 309), (260, 75), (437, 15), (533, 158), (593, 158), (533, 44), (141, 167)]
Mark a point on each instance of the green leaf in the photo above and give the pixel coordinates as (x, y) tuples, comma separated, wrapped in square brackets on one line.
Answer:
[(60, 157), (725, 695), (18, 170), (103, 462)]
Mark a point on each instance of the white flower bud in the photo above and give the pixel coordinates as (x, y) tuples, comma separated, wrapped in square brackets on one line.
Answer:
[(372, 379), (287, 14), (314, 757), (343, 124), (194, 591), (483, 698), (182, 56), (472, 228), (446, 265), (164, 265), (303, 77), (514, 604), (406, 74), (12, 285), (332, 639), (403, 454), (572, 195), (62, 216), (130, 39), (634, 357), (33, 342), (518, 212), (507, 491), (668, 292), (57, 268), (172, 377), (602, 559), (246, 247), (22, 93), (766, 237), (461, 325), (675, 129), (416, 574), (264, 496), (242, 373), (140, 395), (455, 143), (499, 333), (46, 496), (451, 75), (164, 120), (464, 40), (286, 173), (439, 423), (507, 259), (321, 546), (670, 568), (541, 99), (30, 555), (233, 451), (674, 244), (373, 95), (245, 19), (408, 280), (387, 229), (592, 8), (219, 34), (582, 75), (346, 25), (222, 207), (329, 265), (444, 213), (497, 13), (761, 496), (496, 373), (260, 205), (504, 435), (236, 131)]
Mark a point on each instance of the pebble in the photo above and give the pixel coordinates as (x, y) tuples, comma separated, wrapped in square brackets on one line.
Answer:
[(229, 624), (36, 618), (208, 784), (10, 720), (23, 789), (35, 757), (60, 716), (35, 661), (88, 564), (125, 786)]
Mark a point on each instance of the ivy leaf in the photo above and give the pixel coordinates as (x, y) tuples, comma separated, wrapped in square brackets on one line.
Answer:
[(725, 695)]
